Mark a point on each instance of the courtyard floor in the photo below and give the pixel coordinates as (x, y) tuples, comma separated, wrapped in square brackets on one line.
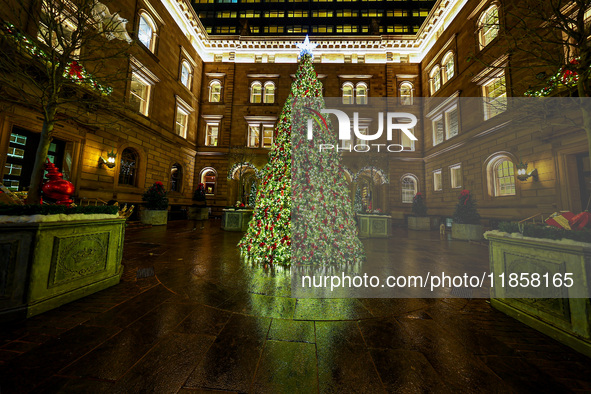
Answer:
[(206, 321)]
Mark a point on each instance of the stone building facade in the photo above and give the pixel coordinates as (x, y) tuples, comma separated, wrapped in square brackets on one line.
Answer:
[(238, 86)]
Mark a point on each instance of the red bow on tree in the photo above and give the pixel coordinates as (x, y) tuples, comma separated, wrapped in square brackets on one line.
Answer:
[(465, 194), (75, 70)]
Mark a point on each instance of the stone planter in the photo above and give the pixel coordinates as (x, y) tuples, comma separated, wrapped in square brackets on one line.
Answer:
[(236, 220), (374, 226), (153, 217), (198, 213), (561, 313), (49, 264), (419, 223), (467, 232)]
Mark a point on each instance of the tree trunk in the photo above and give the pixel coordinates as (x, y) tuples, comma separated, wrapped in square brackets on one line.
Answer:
[(34, 194)]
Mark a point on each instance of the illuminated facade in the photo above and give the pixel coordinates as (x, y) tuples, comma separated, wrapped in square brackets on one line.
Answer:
[(195, 95)]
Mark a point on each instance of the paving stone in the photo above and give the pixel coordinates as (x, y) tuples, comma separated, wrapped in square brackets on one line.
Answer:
[(287, 367), (292, 331)]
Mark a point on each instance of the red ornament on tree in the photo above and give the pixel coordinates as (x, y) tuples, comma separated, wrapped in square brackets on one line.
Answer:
[(57, 188)]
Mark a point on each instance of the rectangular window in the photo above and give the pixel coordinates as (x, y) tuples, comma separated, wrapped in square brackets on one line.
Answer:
[(273, 29), (406, 142), (274, 14), (18, 139), (364, 130), (451, 123), (297, 14), (226, 14), (397, 13), (182, 121), (254, 132), (17, 153), (437, 181), (140, 94), (13, 169), (455, 174), (211, 134), (438, 133), (260, 135), (321, 29), (347, 14), (495, 97), (322, 14), (250, 14)]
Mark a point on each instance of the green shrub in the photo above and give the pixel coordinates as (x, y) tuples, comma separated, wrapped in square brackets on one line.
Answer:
[(155, 197), (549, 232), (466, 212)]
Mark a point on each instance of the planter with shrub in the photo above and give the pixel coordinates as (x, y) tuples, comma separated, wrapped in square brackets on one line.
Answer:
[(466, 220), (199, 209), (155, 211), (419, 219), (55, 254)]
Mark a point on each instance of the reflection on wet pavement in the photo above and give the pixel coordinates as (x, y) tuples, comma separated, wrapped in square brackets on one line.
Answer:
[(208, 321)]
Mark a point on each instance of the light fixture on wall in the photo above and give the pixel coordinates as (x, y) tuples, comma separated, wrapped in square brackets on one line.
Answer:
[(110, 161), (522, 173)]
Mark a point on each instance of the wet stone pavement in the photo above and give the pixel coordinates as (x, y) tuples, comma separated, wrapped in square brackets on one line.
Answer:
[(205, 321)]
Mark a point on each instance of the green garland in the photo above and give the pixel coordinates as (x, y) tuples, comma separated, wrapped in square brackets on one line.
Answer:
[(549, 232), (26, 210), (73, 71)]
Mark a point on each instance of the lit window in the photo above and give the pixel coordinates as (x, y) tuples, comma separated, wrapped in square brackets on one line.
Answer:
[(211, 133), (215, 92), (451, 123), (448, 67), (17, 153), (346, 14), (274, 14), (260, 135), (361, 93), (273, 29), (182, 121), (186, 74), (347, 93), (488, 26), (147, 32), (18, 139), (209, 179), (406, 142), (423, 12), (225, 30), (406, 94), (256, 92), (347, 29), (269, 97), (455, 174), (13, 169), (250, 14), (409, 189), (435, 79), (322, 14), (226, 14), (322, 29), (139, 97), (397, 13), (297, 14), (501, 177), (128, 166), (495, 97), (437, 181), (438, 130)]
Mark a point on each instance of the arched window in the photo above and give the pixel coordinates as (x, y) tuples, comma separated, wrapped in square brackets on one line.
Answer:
[(147, 31), (256, 92), (361, 93), (176, 177), (215, 91), (209, 179), (501, 177), (128, 167), (409, 188), (186, 74), (449, 68), (435, 79), (269, 97), (347, 93), (488, 26), (406, 94)]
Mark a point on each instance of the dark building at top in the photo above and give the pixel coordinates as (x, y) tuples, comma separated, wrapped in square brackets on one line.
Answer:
[(326, 17)]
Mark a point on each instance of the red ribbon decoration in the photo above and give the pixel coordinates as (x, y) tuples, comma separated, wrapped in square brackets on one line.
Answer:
[(75, 70)]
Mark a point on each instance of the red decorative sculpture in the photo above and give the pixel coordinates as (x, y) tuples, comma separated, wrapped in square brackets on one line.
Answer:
[(57, 188)]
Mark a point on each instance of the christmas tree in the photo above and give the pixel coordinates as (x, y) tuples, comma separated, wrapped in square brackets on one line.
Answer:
[(323, 229), (466, 212), (358, 204)]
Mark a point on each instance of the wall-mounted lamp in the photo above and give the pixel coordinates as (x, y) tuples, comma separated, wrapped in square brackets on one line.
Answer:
[(110, 161), (522, 173)]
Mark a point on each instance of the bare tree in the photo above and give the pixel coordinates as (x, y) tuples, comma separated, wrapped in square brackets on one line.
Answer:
[(65, 59), (549, 48)]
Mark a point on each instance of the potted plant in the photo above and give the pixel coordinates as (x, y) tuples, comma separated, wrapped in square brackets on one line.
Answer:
[(199, 210), (156, 209), (419, 219), (466, 220), (548, 268)]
